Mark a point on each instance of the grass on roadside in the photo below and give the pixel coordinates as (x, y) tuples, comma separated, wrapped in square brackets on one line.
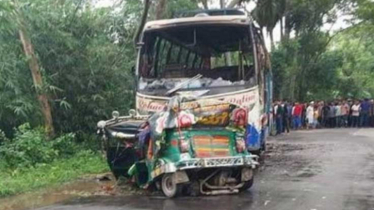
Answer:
[(59, 171)]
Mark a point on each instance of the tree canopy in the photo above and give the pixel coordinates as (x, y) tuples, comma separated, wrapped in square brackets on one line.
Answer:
[(320, 64), (85, 54)]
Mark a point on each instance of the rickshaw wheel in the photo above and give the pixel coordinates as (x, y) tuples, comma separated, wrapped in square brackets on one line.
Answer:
[(169, 187), (248, 184)]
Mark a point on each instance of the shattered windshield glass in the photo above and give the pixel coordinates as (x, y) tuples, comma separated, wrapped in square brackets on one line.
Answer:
[(221, 54)]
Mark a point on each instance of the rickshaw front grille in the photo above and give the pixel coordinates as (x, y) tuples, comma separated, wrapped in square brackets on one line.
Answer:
[(211, 146)]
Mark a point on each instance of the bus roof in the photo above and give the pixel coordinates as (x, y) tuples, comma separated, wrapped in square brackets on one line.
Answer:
[(198, 20)]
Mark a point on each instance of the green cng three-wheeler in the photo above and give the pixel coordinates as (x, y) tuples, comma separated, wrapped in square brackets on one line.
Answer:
[(194, 146)]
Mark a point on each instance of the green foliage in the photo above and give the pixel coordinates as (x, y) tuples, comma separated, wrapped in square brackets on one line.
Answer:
[(306, 16), (311, 68), (30, 161), (86, 56), (268, 12), (357, 72), (3, 137), (179, 5), (66, 145), (304, 69), (56, 172), (30, 147), (316, 65), (365, 10), (89, 141)]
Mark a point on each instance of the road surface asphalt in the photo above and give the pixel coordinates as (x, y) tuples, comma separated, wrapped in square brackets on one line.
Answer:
[(311, 170)]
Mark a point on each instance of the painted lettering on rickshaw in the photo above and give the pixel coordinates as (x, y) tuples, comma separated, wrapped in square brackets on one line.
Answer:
[(218, 107), (216, 119)]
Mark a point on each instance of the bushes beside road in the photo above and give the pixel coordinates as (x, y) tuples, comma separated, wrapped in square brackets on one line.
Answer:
[(29, 160)]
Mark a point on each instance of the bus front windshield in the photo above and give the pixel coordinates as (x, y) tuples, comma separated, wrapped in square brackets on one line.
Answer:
[(219, 58)]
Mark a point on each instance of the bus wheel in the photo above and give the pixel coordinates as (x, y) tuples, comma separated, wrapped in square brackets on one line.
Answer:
[(169, 187)]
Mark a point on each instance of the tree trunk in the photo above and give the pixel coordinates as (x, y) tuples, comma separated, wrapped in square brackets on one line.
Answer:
[(272, 46), (281, 29), (234, 3), (205, 4), (222, 3), (143, 21), (37, 79), (160, 8), (287, 28)]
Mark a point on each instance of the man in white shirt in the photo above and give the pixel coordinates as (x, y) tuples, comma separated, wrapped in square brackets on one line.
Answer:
[(310, 115), (356, 114)]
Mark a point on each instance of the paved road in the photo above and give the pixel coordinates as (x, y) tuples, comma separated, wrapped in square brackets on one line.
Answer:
[(321, 169)]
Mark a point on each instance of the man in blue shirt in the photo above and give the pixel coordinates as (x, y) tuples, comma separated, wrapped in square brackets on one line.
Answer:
[(364, 113)]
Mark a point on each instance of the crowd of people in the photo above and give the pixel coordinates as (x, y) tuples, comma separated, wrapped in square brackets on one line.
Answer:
[(322, 114)]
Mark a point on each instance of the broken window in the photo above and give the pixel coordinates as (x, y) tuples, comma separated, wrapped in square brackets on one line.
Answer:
[(221, 54)]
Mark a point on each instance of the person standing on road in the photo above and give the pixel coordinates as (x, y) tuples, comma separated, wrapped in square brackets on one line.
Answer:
[(345, 113), (350, 103), (286, 114), (316, 116), (332, 115), (275, 108), (296, 115), (364, 113), (338, 114), (325, 115), (279, 117), (304, 119), (355, 114), (289, 112), (310, 115), (271, 119), (320, 114)]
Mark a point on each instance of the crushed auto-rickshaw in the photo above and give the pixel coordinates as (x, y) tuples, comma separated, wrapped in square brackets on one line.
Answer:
[(202, 95)]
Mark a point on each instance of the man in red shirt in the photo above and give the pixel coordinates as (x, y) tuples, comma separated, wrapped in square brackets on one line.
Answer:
[(296, 115)]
